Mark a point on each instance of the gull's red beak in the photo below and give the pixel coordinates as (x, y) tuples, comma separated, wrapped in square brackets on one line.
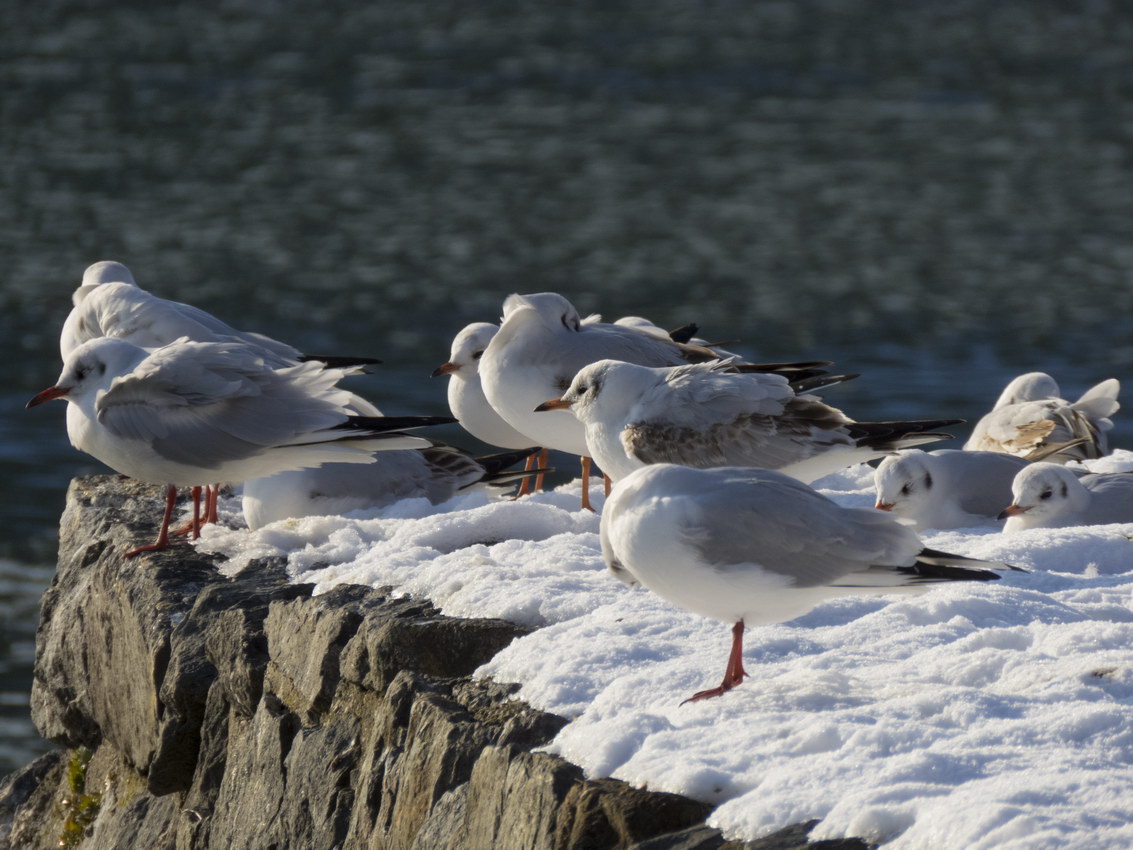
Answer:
[(1013, 510), (445, 369), (553, 404), (885, 506), (47, 395)]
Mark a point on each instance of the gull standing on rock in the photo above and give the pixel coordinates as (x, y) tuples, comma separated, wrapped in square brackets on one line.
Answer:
[(1030, 420), (708, 414), (191, 413), (541, 345), (1048, 495), (109, 303), (750, 546), (945, 488)]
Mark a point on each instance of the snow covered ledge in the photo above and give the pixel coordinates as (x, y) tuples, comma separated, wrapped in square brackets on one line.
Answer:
[(241, 711)]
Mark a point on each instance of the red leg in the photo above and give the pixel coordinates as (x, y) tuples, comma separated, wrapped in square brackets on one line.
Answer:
[(214, 498), (162, 541), (609, 485), (543, 455), (586, 484), (525, 485), (193, 525), (734, 674)]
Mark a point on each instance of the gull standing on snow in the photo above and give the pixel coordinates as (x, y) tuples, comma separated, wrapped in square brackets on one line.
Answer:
[(466, 397), (707, 414), (1048, 495), (945, 488), (192, 413), (541, 345), (1030, 420), (436, 474), (750, 546), (109, 303)]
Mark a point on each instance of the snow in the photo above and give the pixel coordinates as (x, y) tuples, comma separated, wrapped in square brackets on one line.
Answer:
[(974, 715)]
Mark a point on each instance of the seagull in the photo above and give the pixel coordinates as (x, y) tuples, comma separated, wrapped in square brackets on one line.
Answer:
[(1030, 417), (110, 303), (683, 334), (541, 345), (750, 546), (945, 488), (708, 414), (191, 413), (1048, 495), (436, 474), (466, 396)]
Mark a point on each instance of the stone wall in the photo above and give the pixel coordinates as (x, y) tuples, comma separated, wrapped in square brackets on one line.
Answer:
[(246, 713)]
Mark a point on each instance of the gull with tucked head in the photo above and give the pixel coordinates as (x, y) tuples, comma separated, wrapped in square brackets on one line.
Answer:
[(1031, 420), (109, 303)]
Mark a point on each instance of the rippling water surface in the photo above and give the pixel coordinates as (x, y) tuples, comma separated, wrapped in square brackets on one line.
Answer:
[(935, 195)]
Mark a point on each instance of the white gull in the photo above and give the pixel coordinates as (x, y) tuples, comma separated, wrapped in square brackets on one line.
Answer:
[(945, 488), (710, 414), (750, 546), (1048, 495), (192, 413)]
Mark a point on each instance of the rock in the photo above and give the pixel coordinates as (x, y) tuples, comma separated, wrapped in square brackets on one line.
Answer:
[(244, 712)]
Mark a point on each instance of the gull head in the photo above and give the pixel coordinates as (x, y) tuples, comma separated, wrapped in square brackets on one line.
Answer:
[(91, 367), (904, 483), (604, 391), (550, 309), (107, 271), (1042, 493), (467, 349)]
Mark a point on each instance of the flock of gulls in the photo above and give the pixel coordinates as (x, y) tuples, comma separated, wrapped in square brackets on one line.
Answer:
[(706, 459)]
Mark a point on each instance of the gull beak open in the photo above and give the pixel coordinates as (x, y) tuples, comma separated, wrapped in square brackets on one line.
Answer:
[(553, 404), (445, 369), (885, 506), (47, 395), (1013, 510)]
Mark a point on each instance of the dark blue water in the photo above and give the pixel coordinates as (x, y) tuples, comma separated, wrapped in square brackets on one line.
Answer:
[(936, 195)]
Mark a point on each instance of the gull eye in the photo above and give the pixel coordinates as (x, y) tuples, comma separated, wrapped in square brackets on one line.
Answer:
[(905, 490), (476, 355), (81, 372), (583, 389), (1046, 494)]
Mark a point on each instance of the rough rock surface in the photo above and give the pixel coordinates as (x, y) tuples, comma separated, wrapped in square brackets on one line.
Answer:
[(245, 713)]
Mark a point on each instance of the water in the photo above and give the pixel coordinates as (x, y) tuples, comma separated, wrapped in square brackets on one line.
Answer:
[(935, 195)]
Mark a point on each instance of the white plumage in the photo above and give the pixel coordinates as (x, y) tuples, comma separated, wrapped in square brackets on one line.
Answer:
[(751, 546), (945, 488), (1048, 495), (707, 415)]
